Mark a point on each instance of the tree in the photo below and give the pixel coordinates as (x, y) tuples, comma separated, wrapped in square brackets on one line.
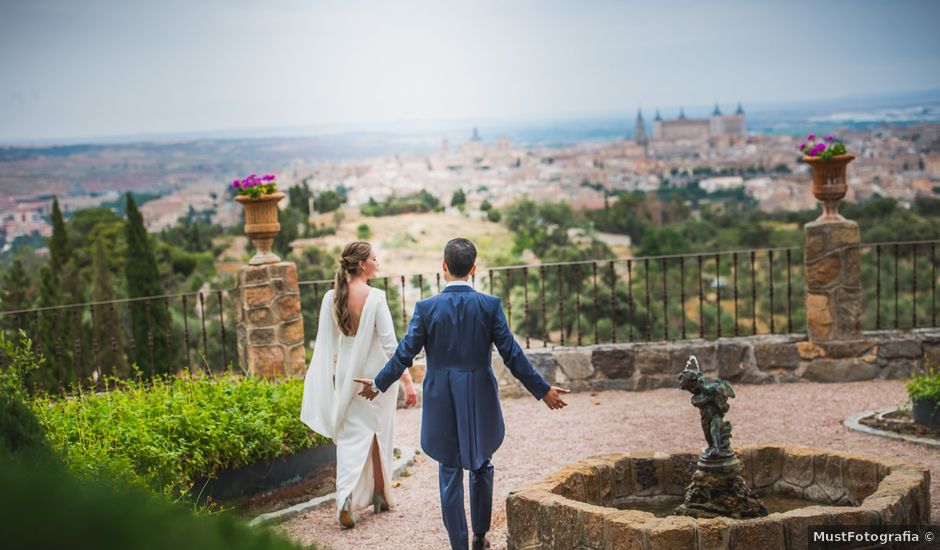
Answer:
[(298, 198), (486, 206), (64, 267), (59, 251), (148, 324), (14, 294), (55, 374), (459, 198), (363, 232), (290, 221), (329, 201), (107, 326)]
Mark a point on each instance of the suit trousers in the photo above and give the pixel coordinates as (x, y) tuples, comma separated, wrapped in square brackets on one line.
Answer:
[(481, 502)]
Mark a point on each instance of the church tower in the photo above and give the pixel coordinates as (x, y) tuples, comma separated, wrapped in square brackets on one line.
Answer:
[(716, 125), (657, 126), (639, 132)]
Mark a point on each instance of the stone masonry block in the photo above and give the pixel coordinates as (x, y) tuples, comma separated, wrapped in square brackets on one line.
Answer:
[(614, 362), (287, 307), (823, 272), (651, 360), (818, 316), (575, 364), (257, 296), (777, 356)]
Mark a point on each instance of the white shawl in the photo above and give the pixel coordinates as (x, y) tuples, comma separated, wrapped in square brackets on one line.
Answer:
[(327, 397)]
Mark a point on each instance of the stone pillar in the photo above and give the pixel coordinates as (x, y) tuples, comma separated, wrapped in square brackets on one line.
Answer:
[(270, 327), (832, 277)]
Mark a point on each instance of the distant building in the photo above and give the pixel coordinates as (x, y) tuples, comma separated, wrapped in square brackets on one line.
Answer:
[(473, 150), (21, 218), (722, 183), (639, 132), (700, 129)]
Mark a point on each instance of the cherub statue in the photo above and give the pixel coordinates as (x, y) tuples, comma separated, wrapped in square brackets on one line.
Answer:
[(712, 402)]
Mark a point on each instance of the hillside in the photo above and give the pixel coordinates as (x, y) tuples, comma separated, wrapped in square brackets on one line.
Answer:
[(413, 243)]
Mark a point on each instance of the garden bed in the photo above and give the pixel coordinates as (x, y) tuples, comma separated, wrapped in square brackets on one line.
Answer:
[(319, 482), (899, 421), (173, 435)]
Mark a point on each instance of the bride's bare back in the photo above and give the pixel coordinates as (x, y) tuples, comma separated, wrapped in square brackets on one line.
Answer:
[(356, 301)]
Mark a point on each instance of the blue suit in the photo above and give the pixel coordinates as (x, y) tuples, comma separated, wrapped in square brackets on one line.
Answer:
[(461, 420)]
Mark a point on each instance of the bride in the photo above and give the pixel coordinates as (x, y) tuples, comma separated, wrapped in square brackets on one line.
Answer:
[(356, 331)]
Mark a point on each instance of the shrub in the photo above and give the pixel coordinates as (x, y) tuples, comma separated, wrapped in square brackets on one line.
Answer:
[(925, 386), (168, 434), (44, 507), (20, 431)]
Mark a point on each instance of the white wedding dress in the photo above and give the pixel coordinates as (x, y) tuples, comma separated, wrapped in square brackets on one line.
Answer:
[(332, 407)]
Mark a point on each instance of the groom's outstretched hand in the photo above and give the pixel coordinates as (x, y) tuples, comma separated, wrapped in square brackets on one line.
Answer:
[(553, 398), (366, 390)]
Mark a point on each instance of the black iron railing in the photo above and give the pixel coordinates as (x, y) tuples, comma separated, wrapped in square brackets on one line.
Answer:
[(659, 298), (899, 284), (672, 297), (139, 337)]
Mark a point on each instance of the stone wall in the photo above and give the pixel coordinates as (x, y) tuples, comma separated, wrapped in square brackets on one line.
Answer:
[(748, 360), (270, 328)]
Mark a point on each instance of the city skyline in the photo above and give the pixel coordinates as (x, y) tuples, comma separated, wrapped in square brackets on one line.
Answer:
[(111, 69)]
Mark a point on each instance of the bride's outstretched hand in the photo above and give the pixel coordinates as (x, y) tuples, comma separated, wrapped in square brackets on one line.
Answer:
[(366, 390), (411, 396), (553, 400)]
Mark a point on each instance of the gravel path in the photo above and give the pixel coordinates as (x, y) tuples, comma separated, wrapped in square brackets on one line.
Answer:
[(539, 441)]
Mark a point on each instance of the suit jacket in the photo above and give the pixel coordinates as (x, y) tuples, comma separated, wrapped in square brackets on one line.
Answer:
[(461, 420)]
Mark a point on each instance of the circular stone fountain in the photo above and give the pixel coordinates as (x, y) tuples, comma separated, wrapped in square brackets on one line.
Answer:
[(617, 501), (653, 500)]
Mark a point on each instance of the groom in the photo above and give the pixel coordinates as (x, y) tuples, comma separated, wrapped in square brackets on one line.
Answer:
[(461, 422)]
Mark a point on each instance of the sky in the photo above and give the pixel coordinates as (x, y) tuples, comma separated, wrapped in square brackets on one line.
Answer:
[(73, 69)]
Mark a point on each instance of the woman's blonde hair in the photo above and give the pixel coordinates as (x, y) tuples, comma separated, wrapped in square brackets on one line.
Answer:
[(353, 253)]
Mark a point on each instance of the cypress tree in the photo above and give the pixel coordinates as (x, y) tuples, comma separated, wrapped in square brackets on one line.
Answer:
[(16, 294), (143, 279), (59, 251), (15, 287), (72, 291), (54, 375), (107, 317)]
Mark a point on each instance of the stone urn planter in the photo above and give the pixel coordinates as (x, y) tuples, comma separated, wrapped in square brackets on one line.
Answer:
[(926, 412), (261, 225), (829, 183)]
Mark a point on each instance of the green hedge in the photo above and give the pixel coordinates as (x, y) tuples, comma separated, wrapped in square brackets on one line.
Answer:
[(166, 434), (44, 507)]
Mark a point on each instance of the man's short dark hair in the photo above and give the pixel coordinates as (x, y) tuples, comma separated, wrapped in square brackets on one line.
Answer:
[(459, 255)]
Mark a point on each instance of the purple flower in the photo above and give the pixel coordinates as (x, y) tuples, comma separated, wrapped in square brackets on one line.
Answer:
[(268, 177), (818, 148), (811, 137), (830, 137), (802, 147)]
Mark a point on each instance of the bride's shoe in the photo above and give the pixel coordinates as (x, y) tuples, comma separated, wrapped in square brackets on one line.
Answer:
[(346, 517), (379, 504)]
